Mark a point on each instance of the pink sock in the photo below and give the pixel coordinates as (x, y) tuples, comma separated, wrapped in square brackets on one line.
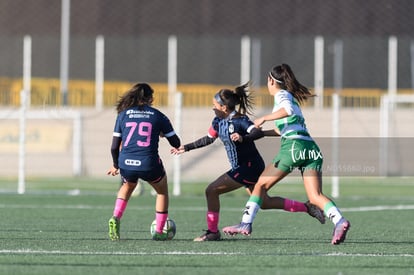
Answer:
[(212, 221), (160, 218), (294, 206), (120, 205)]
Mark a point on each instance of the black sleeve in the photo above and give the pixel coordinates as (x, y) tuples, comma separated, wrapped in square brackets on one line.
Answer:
[(271, 133), (201, 142), (174, 141), (254, 134), (116, 143)]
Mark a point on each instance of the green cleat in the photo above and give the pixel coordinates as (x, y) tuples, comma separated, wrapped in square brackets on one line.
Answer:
[(114, 226)]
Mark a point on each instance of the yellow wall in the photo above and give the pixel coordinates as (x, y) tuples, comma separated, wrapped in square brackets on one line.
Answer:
[(46, 92)]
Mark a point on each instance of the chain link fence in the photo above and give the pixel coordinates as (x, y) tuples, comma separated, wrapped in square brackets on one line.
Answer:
[(209, 37)]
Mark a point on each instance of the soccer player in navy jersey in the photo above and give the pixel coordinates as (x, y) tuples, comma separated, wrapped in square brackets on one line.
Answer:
[(238, 132), (134, 150)]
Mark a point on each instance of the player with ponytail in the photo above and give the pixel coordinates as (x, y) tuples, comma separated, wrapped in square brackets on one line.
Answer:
[(297, 150), (237, 132)]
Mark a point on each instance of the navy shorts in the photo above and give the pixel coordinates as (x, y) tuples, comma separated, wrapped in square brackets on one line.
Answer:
[(153, 176), (247, 173)]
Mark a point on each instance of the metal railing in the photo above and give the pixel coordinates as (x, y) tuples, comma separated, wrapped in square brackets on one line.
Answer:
[(46, 92)]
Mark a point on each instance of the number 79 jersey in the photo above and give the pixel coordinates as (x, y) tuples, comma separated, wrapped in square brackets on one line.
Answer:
[(140, 129)]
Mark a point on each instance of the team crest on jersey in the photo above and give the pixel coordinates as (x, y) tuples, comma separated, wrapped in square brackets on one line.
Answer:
[(231, 128)]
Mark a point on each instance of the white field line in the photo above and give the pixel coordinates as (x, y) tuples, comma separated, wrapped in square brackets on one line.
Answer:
[(179, 253), (193, 208)]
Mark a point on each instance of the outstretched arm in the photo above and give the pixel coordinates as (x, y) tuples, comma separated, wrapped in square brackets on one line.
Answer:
[(256, 133), (201, 142), (281, 113), (271, 133), (174, 141)]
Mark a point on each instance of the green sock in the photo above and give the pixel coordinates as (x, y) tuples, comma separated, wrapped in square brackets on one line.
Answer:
[(256, 199), (328, 205)]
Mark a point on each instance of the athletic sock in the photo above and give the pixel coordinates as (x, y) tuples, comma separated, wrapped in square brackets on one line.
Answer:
[(161, 218), (120, 206), (294, 206), (332, 212), (212, 221), (250, 211)]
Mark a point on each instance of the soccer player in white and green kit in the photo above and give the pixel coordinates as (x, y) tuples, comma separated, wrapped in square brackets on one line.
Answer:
[(297, 150)]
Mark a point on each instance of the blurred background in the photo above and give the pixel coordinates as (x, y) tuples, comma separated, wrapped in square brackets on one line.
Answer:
[(82, 55), (208, 37)]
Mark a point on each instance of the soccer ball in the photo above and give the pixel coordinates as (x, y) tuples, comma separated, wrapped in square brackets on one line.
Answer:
[(169, 228)]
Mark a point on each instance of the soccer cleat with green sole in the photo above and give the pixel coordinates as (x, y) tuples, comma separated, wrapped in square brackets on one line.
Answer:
[(114, 227)]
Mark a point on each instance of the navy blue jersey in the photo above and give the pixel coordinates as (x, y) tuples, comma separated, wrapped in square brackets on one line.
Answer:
[(140, 129), (237, 152)]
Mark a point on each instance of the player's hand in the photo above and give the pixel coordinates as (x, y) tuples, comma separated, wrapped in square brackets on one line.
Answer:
[(113, 171), (259, 122), (236, 137), (178, 151)]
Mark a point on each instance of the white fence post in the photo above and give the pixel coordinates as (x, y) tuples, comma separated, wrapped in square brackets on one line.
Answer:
[(319, 72), (99, 71)]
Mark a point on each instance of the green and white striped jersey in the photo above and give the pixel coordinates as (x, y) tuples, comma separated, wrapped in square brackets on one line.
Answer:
[(292, 126)]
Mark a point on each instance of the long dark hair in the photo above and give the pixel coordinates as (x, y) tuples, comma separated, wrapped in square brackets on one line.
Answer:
[(241, 97), (140, 94), (284, 76)]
